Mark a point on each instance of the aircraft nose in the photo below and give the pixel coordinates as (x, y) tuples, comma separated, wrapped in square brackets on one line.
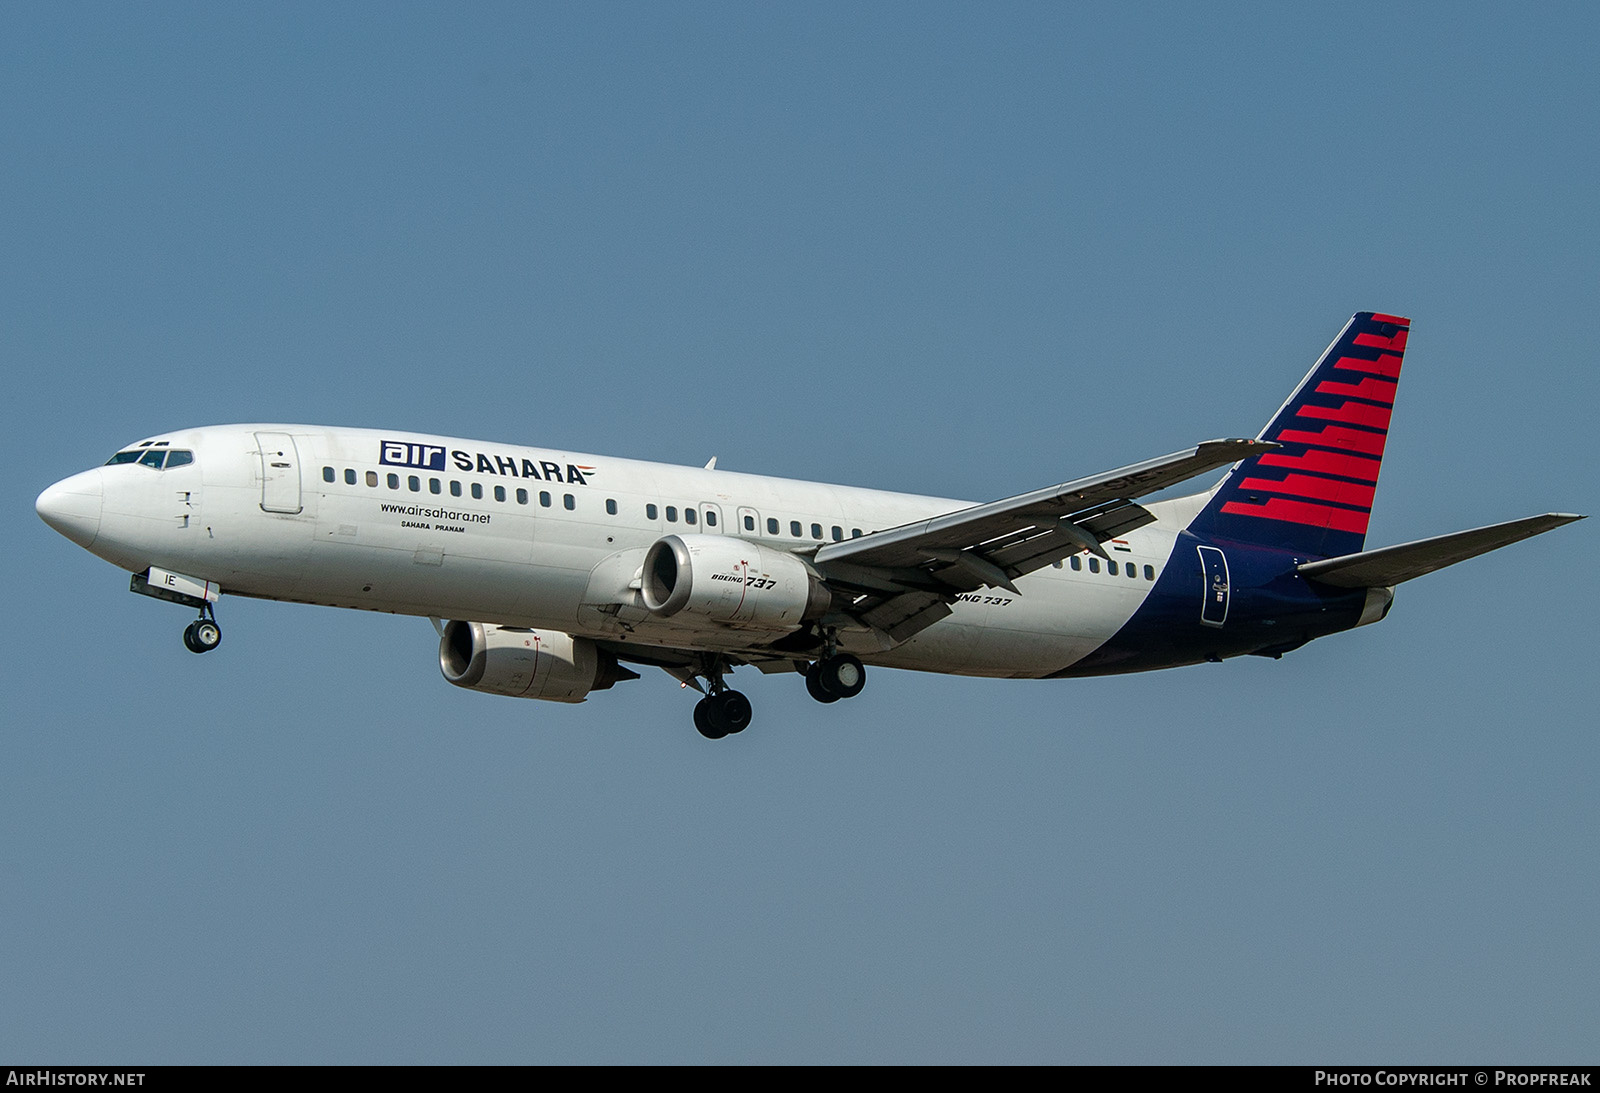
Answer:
[(72, 507)]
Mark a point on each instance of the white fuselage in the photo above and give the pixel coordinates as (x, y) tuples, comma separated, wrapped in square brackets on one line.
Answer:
[(457, 529)]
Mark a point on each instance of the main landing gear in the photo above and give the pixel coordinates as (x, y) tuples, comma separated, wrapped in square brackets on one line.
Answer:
[(203, 634), (835, 677), (725, 711), (722, 713)]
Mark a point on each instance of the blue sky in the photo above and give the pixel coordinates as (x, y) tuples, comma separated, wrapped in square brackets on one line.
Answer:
[(960, 250)]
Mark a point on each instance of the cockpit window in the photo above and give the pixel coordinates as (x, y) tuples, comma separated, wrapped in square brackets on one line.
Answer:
[(156, 458)]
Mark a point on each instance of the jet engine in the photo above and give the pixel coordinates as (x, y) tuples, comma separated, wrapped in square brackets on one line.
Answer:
[(730, 581), (526, 663)]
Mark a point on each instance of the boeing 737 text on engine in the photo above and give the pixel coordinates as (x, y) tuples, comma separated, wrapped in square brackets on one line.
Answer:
[(558, 570)]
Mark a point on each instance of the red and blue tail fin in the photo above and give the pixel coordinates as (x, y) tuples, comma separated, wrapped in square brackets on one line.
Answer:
[(1313, 495)]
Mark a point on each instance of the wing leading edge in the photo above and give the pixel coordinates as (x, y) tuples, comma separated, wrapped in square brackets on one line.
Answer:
[(903, 579)]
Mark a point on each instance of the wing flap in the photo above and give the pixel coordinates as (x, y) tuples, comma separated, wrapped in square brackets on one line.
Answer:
[(902, 617), (1039, 546), (1088, 503), (1388, 566), (1117, 521), (903, 580)]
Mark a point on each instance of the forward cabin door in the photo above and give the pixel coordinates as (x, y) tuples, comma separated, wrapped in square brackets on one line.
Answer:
[(280, 473)]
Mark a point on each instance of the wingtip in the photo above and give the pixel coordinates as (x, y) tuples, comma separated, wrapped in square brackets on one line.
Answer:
[(1240, 446)]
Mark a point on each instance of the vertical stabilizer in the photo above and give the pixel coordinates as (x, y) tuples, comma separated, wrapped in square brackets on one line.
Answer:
[(1313, 496)]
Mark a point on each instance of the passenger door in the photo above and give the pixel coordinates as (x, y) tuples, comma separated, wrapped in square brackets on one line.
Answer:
[(280, 473)]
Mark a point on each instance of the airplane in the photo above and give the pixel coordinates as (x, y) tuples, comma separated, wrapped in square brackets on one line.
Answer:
[(547, 573)]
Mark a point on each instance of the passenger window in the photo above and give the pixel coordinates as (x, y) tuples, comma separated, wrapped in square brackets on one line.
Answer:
[(1149, 572), (153, 458), (414, 483), (394, 481), (522, 497), (838, 534), (1094, 565), (690, 516), (650, 511), (711, 519), (1111, 567), (855, 533), (499, 493), (327, 474), (1133, 571), (611, 506), (455, 488), (434, 485), (816, 531), (372, 479), (1076, 561), (569, 501), (672, 514), (772, 525), (794, 529), (544, 498), (349, 475), (477, 491), (749, 523)]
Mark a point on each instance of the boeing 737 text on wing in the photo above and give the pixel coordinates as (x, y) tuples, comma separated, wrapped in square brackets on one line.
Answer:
[(558, 570)]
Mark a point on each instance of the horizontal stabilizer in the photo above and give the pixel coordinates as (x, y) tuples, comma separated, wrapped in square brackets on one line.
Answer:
[(1390, 565)]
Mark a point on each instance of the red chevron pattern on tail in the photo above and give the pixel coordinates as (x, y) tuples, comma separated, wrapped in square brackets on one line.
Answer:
[(1333, 431)]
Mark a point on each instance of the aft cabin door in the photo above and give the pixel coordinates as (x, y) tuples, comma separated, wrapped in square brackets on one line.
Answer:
[(280, 473), (1214, 568)]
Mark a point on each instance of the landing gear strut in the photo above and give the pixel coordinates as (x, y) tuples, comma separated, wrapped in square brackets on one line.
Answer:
[(834, 677), (724, 711), (203, 634)]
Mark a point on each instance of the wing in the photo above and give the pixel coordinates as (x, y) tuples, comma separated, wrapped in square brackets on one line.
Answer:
[(904, 579), (1388, 566)]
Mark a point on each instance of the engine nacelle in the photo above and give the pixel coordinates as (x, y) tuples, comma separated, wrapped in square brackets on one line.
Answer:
[(526, 663), (732, 582)]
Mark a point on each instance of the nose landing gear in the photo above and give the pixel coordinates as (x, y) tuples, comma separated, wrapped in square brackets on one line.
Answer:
[(203, 634)]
